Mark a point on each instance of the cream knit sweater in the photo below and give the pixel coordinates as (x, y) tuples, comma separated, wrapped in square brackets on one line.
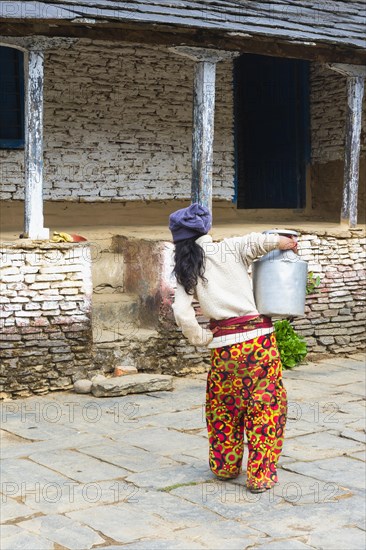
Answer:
[(228, 290)]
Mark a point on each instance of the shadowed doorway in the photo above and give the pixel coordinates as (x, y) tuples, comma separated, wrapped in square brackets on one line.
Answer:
[(271, 131)]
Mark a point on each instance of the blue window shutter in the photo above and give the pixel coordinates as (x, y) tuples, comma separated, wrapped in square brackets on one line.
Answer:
[(11, 98)]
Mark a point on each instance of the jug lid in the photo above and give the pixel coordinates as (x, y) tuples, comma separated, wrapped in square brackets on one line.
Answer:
[(282, 232)]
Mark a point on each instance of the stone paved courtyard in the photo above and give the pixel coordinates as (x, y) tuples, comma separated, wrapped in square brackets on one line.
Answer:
[(80, 472)]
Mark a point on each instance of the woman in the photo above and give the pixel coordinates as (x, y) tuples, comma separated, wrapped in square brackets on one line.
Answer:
[(244, 385)]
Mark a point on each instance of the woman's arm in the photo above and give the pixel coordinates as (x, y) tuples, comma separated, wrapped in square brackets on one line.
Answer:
[(254, 245), (185, 317)]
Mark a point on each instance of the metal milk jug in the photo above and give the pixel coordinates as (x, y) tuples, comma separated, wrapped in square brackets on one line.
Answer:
[(279, 281)]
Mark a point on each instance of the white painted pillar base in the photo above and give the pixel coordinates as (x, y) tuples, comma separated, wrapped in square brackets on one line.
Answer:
[(33, 151)]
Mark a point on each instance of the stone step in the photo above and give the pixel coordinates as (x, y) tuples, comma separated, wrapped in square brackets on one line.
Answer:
[(136, 383), (108, 270), (121, 332), (115, 311)]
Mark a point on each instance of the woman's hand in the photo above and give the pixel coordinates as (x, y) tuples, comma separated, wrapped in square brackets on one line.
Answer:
[(288, 243)]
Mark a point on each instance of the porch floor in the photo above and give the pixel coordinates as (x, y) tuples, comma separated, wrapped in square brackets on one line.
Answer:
[(149, 220)]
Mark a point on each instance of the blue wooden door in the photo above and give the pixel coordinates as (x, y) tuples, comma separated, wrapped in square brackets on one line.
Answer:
[(271, 131)]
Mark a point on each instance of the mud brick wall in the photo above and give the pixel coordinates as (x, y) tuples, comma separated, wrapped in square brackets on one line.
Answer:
[(45, 305), (335, 315)]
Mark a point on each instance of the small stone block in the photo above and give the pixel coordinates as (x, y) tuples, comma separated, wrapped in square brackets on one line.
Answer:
[(83, 386), (97, 378), (136, 383)]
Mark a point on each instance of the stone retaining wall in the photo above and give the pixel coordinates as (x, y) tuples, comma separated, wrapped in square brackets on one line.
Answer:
[(46, 337), (45, 304), (334, 320), (335, 315)]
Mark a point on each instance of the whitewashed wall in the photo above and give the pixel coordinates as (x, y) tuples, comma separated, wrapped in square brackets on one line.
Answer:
[(118, 125), (328, 115)]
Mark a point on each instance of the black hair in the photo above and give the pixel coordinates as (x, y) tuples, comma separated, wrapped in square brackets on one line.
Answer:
[(189, 264)]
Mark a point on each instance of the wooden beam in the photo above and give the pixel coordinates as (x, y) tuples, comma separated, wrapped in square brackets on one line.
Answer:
[(355, 90), (167, 35), (332, 22), (38, 42), (33, 151)]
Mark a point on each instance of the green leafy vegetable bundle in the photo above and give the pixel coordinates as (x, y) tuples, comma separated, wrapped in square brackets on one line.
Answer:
[(291, 346)]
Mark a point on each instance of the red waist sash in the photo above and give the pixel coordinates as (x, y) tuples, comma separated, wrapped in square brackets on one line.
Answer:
[(234, 325)]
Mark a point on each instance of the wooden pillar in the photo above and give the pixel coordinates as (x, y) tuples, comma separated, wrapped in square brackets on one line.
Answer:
[(33, 48), (203, 132), (355, 89), (33, 151), (203, 118)]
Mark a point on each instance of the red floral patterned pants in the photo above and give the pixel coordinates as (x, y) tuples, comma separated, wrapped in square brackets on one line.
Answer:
[(245, 391)]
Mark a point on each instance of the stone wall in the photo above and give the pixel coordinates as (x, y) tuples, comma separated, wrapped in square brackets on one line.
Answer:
[(335, 316), (118, 125), (328, 121), (145, 334), (334, 320), (45, 328), (45, 331), (328, 107)]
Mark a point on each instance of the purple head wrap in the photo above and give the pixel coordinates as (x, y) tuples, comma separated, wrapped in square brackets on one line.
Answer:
[(193, 221)]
